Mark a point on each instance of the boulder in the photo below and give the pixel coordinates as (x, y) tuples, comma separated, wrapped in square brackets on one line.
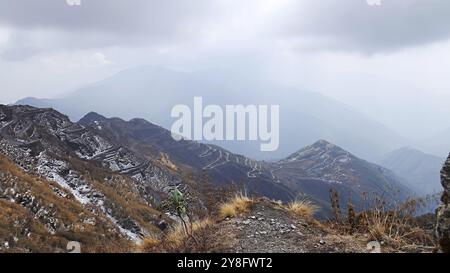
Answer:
[(443, 211), (445, 181)]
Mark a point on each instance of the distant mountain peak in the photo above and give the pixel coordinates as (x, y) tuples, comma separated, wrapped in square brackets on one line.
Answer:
[(325, 144), (326, 165), (319, 147), (140, 121), (91, 117)]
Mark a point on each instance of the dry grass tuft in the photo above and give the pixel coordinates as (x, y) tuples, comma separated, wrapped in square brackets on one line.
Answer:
[(395, 227), (302, 208), (393, 224), (239, 204), (204, 237), (178, 236)]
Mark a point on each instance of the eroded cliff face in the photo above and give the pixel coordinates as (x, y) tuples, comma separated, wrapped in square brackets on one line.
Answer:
[(443, 212)]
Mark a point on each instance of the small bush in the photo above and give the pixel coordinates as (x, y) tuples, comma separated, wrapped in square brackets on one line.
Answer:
[(178, 236), (239, 204), (204, 238), (302, 208)]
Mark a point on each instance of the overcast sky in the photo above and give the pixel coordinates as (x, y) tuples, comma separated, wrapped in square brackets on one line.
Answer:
[(390, 61)]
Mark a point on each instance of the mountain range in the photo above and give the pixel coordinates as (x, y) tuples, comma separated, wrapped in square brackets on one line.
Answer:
[(437, 144), (285, 179), (419, 170), (124, 170), (151, 92)]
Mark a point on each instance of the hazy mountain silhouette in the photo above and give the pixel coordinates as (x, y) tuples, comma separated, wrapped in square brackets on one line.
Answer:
[(151, 92), (438, 144), (421, 170)]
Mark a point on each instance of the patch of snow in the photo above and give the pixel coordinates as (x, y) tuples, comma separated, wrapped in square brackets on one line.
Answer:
[(344, 159), (5, 124), (335, 182), (63, 183), (50, 169), (133, 236)]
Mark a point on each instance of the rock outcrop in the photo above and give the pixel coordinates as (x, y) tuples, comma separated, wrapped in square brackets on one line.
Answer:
[(443, 212)]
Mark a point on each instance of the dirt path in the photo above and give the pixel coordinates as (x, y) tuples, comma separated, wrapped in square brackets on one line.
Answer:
[(268, 228)]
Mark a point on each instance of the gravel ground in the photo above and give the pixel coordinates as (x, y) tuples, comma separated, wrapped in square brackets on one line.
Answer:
[(268, 228)]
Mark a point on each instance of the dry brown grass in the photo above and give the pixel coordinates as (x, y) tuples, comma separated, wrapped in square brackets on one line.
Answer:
[(178, 235), (393, 224), (66, 213), (395, 227), (238, 205), (302, 208), (165, 160), (204, 237), (149, 245)]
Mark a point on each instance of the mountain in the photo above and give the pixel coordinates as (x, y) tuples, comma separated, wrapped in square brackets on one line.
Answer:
[(100, 175), (419, 169), (322, 166), (38, 215), (114, 171), (222, 166), (125, 171), (311, 172), (151, 92), (438, 144)]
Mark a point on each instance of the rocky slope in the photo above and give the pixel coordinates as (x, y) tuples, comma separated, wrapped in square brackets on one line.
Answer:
[(100, 174), (443, 211), (268, 228), (37, 215)]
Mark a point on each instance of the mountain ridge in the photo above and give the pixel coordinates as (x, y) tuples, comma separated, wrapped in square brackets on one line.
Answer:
[(125, 171), (223, 165), (132, 93)]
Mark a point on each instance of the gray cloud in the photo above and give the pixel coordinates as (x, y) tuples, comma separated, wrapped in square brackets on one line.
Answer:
[(355, 25), (109, 22), (18, 53), (350, 25), (108, 15)]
